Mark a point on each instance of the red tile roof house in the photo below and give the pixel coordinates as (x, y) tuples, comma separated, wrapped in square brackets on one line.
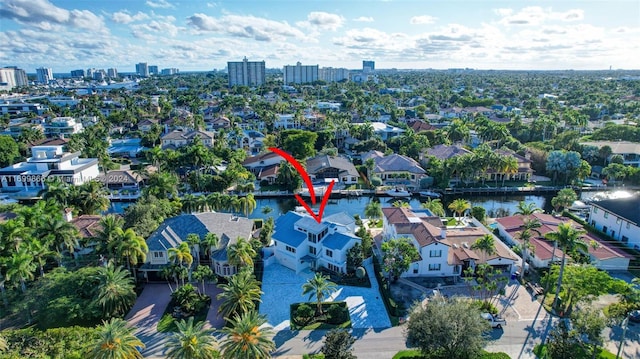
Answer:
[(603, 255), (443, 251)]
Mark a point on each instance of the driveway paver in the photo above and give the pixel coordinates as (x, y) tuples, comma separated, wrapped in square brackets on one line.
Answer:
[(283, 287), (146, 314)]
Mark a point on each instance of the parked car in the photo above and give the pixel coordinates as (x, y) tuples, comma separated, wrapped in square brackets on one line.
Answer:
[(494, 320), (634, 316)]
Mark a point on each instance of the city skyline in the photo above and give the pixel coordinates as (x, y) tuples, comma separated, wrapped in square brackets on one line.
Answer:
[(65, 35)]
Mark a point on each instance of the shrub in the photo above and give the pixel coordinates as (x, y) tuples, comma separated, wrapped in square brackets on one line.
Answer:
[(189, 300), (361, 272), (486, 307), (304, 313), (336, 313)]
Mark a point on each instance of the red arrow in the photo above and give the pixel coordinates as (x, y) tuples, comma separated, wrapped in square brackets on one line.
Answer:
[(307, 180)]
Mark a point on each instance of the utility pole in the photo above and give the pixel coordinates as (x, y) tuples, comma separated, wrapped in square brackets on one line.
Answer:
[(625, 325)]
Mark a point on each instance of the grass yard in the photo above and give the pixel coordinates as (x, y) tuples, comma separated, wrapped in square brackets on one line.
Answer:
[(540, 351), (415, 354)]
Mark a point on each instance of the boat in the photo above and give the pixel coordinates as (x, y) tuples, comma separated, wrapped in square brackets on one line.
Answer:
[(429, 194), (398, 192)]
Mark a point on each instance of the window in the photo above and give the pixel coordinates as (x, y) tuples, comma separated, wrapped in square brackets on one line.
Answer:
[(618, 220), (625, 239), (435, 253), (628, 225), (312, 250), (434, 266), (290, 249), (595, 210), (158, 254), (329, 253), (606, 214), (613, 234), (334, 268), (605, 229)]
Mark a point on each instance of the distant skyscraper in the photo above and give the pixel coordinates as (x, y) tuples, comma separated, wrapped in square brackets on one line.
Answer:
[(299, 74), (99, 75), (90, 72), (330, 74), (44, 75), (11, 77), (142, 69), (246, 73), (169, 71), (368, 65), (77, 73), (112, 73), (153, 70)]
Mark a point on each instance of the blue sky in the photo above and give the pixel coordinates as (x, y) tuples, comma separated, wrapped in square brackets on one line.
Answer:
[(204, 35)]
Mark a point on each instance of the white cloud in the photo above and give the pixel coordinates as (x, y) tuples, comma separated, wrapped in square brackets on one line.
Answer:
[(85, 19), (536, 15), (422, 19), (123, 17), (363, 19), (160, 4), (161, 26), (253, 27), (212, 4), (323, 20)]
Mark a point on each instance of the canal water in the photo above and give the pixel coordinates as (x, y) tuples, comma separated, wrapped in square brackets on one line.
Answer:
[(495, 206)]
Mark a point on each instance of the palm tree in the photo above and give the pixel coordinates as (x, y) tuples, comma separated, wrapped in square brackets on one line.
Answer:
[(239, 295), (162, 185), (246, 338), (194, 242), (115, 341), (15, 232), (567, 239), (248, 204), (485, 244), (131, 246), (210, 243), (459, 206), (526, 209), (20, 266), (241, 253), (115, 290), (192, 341), (319, 287), (509, 166), (92, 197), (530, 225), (202, 274), (60, 232), (181, 255), (434, 206), (109, 227), (56, 190), (40, 251), (373, 210), (401, 204), (189, 203)]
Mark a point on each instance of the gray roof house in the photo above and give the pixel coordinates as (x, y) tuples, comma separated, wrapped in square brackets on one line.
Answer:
[(325, 167), (175, 230), (396, 170)]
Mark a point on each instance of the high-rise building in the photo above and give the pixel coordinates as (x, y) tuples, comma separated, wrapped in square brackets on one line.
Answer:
[(169, 71), (368, 65), (330, 74), (246, 73), (11, 77), (90, 72), (142, 69), (112, 73), (77, 73), (299, 74), (153, 70), (99, 75), (44, 75)]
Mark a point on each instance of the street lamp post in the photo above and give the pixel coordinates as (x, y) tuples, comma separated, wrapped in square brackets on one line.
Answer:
[(625, 325)]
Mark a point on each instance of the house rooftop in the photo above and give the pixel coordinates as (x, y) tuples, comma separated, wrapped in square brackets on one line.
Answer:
[(284, 229), (627, 208), (337, 241)]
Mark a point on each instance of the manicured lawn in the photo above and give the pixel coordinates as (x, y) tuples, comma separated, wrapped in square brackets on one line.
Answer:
[(415, 354), (540, 351), (331, 318)]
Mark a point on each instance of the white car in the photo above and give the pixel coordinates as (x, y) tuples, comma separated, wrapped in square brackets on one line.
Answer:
[(494, 320)]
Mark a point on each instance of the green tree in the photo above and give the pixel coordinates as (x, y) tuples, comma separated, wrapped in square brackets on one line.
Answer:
[(485, 244), (56, 190), (110, 228), (241, 253), (114, 291), (91, 198), (10, 153), (529, 227), (567, 238), (239, 295), (246, 338), (319, 287), (210, 243), (373, 210), (202, 274), (434, 206), (447, 328), (397, 255), (192, 341), (459, 206), (337, 345), (21, 267), (131, 246), (526, 209), (299, 143), (589, 324), (162, 185), (115, 341), (564, 199), (562, 342), (61, 233)]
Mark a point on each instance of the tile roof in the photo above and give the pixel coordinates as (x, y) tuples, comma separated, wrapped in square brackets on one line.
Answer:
[(88, 225), (261, 157), (397, 163), (444, 152)]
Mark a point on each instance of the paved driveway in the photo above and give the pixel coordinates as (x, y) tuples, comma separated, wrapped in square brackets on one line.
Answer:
[(282, 287)]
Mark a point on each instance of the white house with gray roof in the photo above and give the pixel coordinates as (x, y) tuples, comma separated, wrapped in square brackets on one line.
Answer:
[(396, 170), (300, 242), (175, 230), (618, 218), (330, 167)]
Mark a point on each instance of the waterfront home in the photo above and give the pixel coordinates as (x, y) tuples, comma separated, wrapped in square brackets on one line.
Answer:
[(630, 151), (396, 170), (300, 242), (45, 162), (444, 251), (332, 167), (602, 254), (618, 218), (261, 162), (175, 230), (179, 138)]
